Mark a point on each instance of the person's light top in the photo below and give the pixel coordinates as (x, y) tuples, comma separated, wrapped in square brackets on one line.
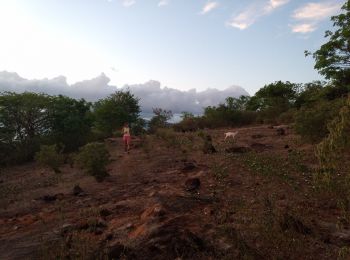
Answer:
[(126, 131)]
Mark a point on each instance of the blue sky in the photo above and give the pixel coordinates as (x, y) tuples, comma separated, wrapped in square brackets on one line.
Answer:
[(183, 44)]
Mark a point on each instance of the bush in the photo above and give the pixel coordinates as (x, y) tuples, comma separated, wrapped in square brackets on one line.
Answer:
[(94, 157), (48, 156), (311, 122)]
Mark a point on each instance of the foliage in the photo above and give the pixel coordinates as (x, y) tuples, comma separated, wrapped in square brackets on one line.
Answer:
[(333, 57), (330, 152), (311, 122), (274, 99), (70, 122), (112, 112), (24, 122), (186, 115), (228, 114), (160, 118), (49, 156), (94, 157), (138, 127)]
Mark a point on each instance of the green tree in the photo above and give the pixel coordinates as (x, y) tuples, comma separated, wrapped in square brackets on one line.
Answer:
[(160, 118), (24, 121), (333, 57), (186, 115), (70, 122), (112, 112), (237, 103), (274, 99)]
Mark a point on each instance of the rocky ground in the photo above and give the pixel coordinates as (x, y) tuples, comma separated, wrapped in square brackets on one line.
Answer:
[(252, 198)]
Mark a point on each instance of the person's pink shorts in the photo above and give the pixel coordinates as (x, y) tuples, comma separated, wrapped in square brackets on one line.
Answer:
[(127, 138)]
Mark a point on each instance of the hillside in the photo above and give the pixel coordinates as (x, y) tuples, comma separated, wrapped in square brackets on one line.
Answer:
[(253, 199)]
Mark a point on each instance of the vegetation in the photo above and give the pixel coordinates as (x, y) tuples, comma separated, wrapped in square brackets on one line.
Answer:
[(160, 119), (114, 111), (94, 157), (49, 156)]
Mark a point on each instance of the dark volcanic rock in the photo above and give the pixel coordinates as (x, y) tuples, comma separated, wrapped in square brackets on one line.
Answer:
[(208, 147), (257, 136), (290, 222), (51, 198), (280, 131), (77, 190), (238, 149), (192, 184), (260, 147), (189, 166)]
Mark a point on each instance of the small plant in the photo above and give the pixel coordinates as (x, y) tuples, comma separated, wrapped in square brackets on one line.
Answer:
[(49, 156), (94, 157)]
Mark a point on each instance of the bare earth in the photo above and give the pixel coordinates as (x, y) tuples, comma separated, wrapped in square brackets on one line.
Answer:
[(256, 203)]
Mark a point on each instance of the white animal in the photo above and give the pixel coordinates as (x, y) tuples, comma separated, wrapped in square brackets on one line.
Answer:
[(231, 134)]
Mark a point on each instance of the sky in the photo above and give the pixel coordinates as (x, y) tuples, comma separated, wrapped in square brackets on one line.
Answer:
[(179, 44)]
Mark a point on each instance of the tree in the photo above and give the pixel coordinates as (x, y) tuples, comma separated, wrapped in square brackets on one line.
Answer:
[(112, 112), (333, 57), (237, 103), (276, 97), (160, 118), (24, 121), (70, 122)]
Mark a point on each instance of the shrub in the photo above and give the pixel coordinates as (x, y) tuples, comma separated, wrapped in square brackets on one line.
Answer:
[(48, 156), (311, 122), (94, 157)]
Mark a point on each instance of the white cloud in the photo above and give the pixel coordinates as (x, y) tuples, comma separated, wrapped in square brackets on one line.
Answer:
[(209, 6), (163, 3), (310, 15), (150, 93), (303, 28), (128, 3), (317, 11), (253, 12)]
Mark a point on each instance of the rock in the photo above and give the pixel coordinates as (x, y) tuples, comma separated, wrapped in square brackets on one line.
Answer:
[(238, 149), (192, 184), (67, 227), (257, 136), (208, 147), (50, 198), (117, 250), (290, 222), (92, 224), (260, 147), (280, 131), (105, 212), (189, 166), (77, 190), (152, 212)]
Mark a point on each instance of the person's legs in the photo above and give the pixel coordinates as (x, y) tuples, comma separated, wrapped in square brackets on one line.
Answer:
[(128, 143), (125, 141)]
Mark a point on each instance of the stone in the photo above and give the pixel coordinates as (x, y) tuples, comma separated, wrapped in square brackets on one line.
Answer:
[(189, 166), (280, 131), (238, 149), (257, 136), (192, 184), (77, 190)]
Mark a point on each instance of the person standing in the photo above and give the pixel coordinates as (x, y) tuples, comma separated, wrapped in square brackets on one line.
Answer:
[(126, 137)]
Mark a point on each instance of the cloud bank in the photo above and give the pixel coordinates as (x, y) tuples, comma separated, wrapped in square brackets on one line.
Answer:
[(151, 93)]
